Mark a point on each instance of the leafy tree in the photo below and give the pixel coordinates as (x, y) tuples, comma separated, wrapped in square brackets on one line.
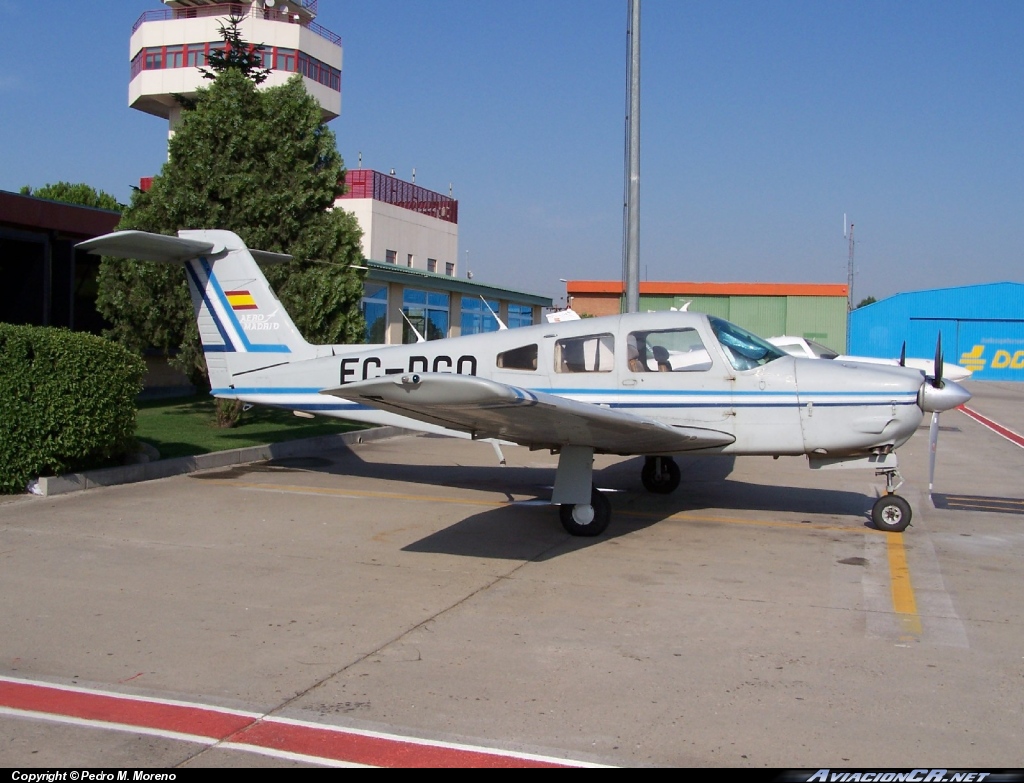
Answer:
[(865, 301), (78, 193), (262, 164), (237, 54)]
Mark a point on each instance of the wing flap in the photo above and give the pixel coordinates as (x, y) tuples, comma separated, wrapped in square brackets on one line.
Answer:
[(488, 409)]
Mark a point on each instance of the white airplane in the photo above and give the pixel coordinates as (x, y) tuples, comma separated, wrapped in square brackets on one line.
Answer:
[(650, 384), (809, 349)]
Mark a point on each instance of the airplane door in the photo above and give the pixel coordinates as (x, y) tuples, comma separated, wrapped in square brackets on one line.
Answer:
[(670, 375), (767, 408), (765, 400)]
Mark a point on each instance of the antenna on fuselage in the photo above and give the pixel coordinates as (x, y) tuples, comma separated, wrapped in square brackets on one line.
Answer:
[(501, 324), (419, 337)]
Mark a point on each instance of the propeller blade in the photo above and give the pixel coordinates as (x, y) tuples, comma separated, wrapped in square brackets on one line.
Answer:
[(903, 354), (937, 383), (933, 444)]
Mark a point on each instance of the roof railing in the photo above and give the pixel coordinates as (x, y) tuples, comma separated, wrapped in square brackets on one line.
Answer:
[(228, 9)]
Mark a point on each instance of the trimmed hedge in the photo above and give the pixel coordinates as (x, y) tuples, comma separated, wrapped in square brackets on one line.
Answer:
[(67, 402)]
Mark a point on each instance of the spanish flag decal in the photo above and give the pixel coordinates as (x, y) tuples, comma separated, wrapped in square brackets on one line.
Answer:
[(240, 300)]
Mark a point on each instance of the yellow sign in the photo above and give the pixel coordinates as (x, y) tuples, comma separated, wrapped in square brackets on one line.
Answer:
[(1002, 359), (973, 360)]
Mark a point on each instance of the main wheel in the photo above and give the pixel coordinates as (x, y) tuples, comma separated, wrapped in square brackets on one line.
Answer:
[(891, 513), (584, 520), (660, 482)]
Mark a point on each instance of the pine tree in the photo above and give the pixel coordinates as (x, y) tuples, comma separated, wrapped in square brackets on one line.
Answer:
[(237, 54), (260, 163)]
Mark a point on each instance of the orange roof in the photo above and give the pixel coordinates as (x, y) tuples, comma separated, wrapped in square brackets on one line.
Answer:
[(584, 287)]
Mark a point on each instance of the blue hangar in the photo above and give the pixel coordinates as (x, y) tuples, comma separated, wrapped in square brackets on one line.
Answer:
[(982, 328)]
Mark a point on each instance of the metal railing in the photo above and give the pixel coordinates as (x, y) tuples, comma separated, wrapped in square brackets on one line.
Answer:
[(227, 9), (366, 183)]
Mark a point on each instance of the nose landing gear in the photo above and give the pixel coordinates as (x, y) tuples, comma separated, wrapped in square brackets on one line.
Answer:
[(891, 512)]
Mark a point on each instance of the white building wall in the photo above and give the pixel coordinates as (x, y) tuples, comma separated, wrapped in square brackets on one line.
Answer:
[(389, 227)]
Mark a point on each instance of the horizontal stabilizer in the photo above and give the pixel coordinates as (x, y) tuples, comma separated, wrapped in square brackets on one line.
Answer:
[(149, 247)]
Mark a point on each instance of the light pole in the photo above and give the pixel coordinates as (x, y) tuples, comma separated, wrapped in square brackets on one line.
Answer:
[(568, 299)]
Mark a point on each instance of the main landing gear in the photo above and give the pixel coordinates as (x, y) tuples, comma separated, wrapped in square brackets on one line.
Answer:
[(660, 475), (891, 512), (586, 520), (583, 510)]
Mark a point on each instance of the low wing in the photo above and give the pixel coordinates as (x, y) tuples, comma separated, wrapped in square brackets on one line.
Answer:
[(487, 409)]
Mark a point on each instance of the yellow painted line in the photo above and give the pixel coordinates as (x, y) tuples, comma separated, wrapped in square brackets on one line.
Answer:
[(903, 601)]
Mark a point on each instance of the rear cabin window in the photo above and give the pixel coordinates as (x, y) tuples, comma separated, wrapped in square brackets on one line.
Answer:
[(671, 350), (592, 353), (524, 358)]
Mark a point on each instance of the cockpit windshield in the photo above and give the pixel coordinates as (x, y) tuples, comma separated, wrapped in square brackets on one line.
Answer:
[(744, 350)]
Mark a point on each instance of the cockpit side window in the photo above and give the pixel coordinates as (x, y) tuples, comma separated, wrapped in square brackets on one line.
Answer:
[(669, 350), (744, 349), (524, 358), (591, 353), (822, 351)]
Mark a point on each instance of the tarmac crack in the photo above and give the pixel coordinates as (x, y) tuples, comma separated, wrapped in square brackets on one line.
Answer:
[(422, 624)]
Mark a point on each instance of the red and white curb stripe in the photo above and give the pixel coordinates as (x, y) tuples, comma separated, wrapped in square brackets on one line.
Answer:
[(251, 732), (996, 427)]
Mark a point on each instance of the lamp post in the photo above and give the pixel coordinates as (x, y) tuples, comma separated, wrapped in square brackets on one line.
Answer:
[(568, 299)]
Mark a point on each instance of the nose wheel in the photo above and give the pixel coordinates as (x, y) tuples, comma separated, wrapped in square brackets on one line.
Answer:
[(891, 512)]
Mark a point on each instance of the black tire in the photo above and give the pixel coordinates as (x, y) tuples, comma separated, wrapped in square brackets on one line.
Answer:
[(891, 513), (664, 484), (596, 526)]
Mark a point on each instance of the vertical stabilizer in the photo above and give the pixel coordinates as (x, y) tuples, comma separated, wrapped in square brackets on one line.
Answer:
[(236, 310), (242, 324)]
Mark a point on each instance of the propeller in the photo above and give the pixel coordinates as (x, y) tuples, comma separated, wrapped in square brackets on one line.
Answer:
[(933, 444), (903, 354), (933, 429)]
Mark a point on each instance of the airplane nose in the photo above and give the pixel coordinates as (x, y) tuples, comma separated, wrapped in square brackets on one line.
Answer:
[(934, 399)]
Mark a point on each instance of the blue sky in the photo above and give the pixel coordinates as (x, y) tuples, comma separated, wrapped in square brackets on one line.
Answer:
[(761, 125)]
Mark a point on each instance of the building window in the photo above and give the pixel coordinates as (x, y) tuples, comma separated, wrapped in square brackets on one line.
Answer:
[(519, 315), (175, 57), (476, 317), (284, 60), (374, 307), (449, 268), (391, 256), (195, 56), (408, 259), (428, 312), (431, 264)]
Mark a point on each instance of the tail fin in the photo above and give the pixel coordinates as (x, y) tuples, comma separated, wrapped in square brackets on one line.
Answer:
[(240, 319)]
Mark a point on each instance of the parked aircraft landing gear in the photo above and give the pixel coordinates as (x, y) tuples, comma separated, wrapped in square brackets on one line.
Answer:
[(586, 520), (660, 475), (891, 512)]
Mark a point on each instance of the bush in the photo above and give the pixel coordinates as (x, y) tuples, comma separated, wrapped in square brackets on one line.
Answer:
[(67, 402)]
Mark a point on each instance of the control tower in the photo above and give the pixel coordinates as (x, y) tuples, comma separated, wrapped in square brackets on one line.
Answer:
[(168, 46)]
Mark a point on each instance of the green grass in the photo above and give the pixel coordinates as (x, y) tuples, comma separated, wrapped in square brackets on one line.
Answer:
[(186, 426)]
